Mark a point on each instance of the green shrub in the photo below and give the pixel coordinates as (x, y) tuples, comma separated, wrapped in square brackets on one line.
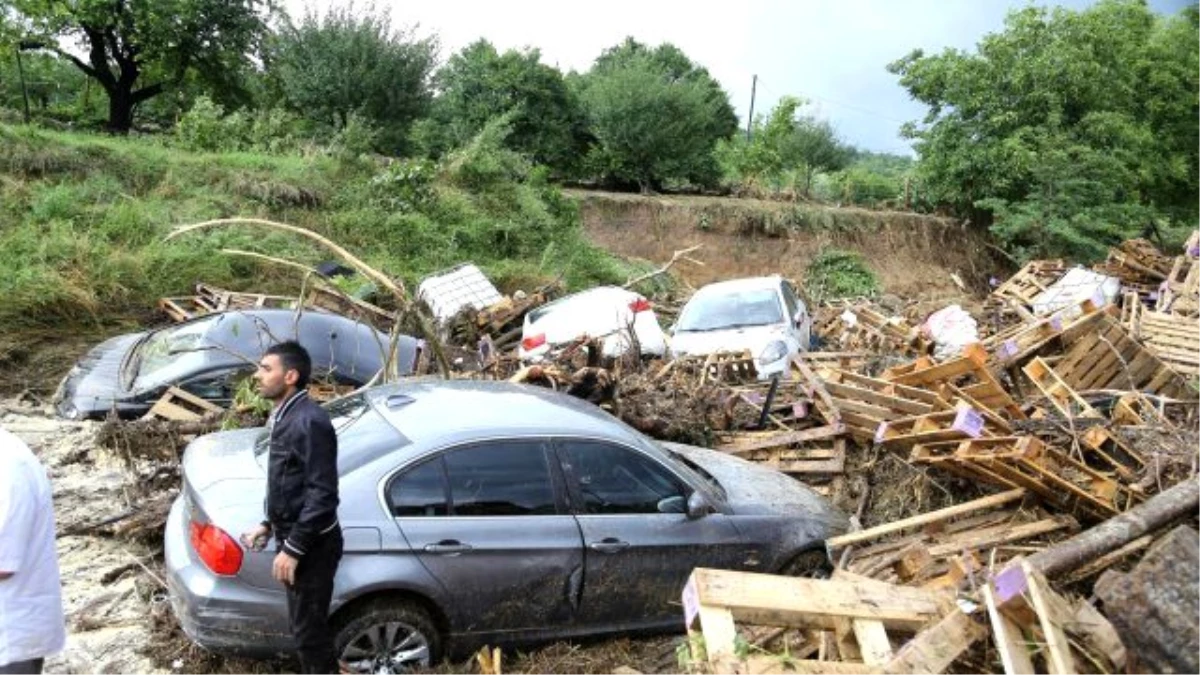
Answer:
[(835, 273)]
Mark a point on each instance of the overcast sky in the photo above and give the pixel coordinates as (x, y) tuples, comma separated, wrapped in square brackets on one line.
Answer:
[(831, 52)]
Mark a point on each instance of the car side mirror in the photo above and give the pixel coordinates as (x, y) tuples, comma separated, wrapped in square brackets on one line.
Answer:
[(698, 506)]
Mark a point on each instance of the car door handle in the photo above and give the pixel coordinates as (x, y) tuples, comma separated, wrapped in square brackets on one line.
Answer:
[(447, 547), (609, 545)]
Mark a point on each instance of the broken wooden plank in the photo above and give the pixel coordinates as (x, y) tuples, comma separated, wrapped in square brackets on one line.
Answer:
[(925, 518), (181, 406), (745, 442), (936, 647), (1008, 638)]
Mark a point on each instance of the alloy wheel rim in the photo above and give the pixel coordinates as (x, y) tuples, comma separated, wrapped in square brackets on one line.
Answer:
[(389, 647)]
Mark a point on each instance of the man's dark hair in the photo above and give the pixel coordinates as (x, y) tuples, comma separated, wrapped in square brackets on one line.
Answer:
[(293, 357)]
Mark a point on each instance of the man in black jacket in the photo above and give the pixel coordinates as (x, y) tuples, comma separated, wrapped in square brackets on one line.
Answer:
[(302, 501)]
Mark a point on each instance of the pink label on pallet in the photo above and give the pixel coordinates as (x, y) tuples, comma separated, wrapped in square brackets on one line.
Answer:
[(799, 409), (969, 422), (1056, 323), (691, 602), (1009, 349), (880, 432)]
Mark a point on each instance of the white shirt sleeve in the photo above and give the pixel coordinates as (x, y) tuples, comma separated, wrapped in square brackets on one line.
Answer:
[(16, 517)]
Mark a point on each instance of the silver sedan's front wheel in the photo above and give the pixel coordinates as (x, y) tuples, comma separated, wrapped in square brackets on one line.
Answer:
[(388, 636)]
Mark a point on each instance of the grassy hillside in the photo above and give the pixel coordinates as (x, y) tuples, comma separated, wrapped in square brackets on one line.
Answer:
[(82, 221)]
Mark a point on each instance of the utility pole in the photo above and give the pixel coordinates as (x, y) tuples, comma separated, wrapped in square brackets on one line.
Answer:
[(750, 121)]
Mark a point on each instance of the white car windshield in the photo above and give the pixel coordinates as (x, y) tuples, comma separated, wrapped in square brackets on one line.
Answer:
[(732, 309)]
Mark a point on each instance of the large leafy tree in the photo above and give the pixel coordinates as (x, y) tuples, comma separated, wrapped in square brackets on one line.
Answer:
[(656, 116), (1067, 130), (479, 84), (349, 63), (138, 49)]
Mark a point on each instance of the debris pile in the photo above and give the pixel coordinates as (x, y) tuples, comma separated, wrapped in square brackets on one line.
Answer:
[(1074, 405), (1077, 420)]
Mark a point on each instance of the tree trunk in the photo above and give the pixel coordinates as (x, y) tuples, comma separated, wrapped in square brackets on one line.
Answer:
[(120, 110), (1117, 531), (1154, 606)]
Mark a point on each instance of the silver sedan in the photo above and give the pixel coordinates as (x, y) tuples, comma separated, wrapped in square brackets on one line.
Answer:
[(483, 512)]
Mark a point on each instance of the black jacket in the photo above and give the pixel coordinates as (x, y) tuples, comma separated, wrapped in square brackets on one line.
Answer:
[(302, 476)]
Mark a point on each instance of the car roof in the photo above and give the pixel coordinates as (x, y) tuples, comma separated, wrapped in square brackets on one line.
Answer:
[(745, 284), (434, 412)]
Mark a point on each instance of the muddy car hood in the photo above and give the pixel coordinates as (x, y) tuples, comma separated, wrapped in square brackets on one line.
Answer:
[(757, 490), (92, 386)]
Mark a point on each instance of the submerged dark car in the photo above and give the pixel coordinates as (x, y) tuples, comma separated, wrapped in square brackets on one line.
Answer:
[(483, 513), (209, 355)]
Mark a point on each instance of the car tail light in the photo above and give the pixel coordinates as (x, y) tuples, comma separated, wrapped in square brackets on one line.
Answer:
[(639, 305), (533, 342), (219, 552)]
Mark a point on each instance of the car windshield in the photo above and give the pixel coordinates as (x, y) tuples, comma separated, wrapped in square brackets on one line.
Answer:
[(731, 309), (171, 353)]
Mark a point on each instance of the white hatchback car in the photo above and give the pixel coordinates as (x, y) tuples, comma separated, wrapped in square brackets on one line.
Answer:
[(606, 312), (762, 314)]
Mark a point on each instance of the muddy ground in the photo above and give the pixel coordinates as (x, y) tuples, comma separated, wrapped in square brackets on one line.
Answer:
[(118, 616)]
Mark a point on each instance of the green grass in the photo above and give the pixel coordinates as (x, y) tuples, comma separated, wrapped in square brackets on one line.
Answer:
[(83, 217)]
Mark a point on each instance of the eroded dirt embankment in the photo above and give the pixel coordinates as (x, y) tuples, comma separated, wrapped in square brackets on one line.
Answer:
[(912, 254)]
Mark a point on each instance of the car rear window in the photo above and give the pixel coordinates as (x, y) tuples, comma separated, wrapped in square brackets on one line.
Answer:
[(363, 434)]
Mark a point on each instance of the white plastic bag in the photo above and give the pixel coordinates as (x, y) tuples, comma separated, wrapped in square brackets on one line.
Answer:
[(951, 329)]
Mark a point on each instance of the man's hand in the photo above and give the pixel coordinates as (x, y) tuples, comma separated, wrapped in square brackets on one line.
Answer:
[(284, 568), (256, 539)]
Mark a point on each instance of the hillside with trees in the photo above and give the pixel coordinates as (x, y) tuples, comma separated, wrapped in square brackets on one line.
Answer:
[(1061, 133)]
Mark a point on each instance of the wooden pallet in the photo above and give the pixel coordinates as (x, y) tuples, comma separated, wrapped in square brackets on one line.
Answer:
[(869, 330), (969, 372), (1056, 478), (1031, 281), (1174, 339), (950, 425), (854, 618), (1102, 355), (178, 405), (820, 460), (209, 299), (1181, 291), (865, 402), (1058, 392), (728, 367), (361, 310)]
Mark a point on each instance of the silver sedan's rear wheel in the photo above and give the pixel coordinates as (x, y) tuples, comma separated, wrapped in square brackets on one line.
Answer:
[(387, 636)]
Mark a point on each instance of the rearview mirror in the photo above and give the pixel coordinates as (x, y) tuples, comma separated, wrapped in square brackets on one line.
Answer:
[(698, 506)]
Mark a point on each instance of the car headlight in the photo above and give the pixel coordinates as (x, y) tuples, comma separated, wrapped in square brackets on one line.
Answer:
[(774, 351)]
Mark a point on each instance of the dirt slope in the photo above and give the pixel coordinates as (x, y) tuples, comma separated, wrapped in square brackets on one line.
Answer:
[(912, 254)]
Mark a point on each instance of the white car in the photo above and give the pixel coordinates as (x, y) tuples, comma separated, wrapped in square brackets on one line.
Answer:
[(604, 312), (762, 314)]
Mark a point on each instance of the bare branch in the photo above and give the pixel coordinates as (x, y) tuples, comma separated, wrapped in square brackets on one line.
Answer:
[(396, 288), (676, 257), (364, 269)]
